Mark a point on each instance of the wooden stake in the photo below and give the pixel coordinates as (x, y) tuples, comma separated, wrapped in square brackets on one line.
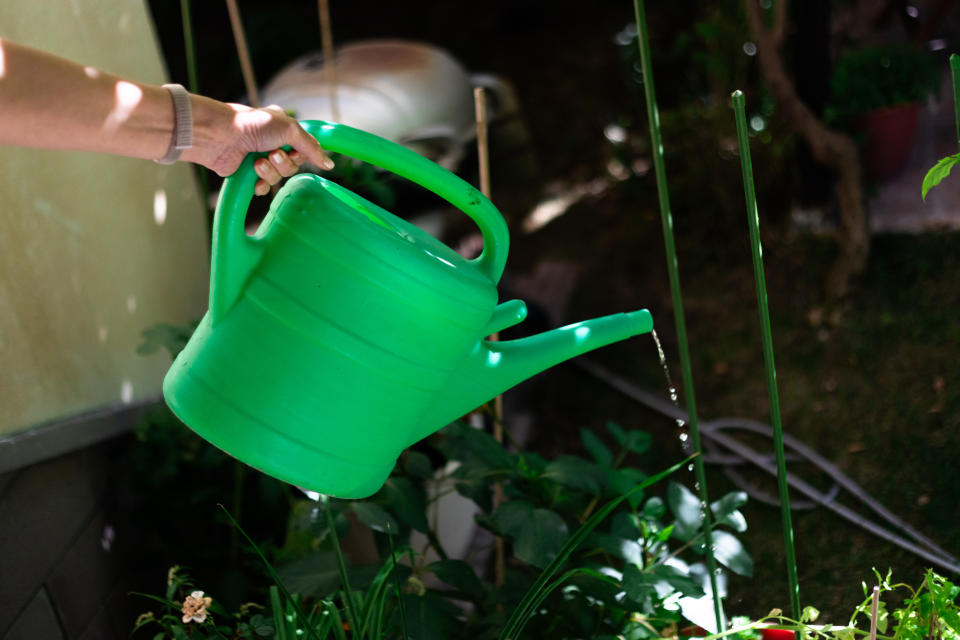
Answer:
[(244, 53), (329, 58), (483, 152), (873, 612)]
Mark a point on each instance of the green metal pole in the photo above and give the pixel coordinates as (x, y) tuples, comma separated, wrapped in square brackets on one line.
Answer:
[(653, 115), (955, 74), (753, 222)]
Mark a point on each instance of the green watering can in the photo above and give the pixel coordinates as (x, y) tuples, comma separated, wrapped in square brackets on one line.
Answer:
[(340, 334)]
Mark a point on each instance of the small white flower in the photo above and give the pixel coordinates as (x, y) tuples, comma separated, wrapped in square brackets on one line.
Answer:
[(195, 607)]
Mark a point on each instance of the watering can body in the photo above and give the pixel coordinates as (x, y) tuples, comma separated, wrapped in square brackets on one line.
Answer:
[(339, 334)]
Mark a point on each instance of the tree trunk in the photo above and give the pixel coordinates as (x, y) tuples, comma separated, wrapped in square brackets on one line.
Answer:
[(831, 148)]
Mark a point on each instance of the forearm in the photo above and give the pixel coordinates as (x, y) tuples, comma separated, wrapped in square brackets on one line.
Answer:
[(49, 102)]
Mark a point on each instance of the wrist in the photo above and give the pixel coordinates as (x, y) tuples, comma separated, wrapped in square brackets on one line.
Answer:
[(212, 131)]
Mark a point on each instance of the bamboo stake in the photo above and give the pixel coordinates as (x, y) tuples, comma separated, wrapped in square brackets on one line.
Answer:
[(753, 222), (483, 153), (673, 271), (244, 53), (874, 607), (329, 58)]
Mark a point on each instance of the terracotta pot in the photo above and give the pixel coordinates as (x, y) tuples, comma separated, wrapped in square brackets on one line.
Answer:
[(889, 135)]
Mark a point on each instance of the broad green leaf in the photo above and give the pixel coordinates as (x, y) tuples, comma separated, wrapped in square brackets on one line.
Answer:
[(459, 575), (430, 617), (685, 507), (595, 446), (374, 517), (541, 538), (633, 440), (678, 580), (626, 525), (538, 534), (729, 552), (654, 509), (629, 550), (663, 580), (510, 517), (937, 173), (418, 464), (623, 481), (577, 473), (465, 443), (313, 575), (726, 511), (407, 500)]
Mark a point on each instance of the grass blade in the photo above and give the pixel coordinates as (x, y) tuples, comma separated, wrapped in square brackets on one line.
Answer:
[(301, 618)]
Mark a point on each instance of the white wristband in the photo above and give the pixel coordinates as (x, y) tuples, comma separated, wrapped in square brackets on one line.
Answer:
[(182, 136)]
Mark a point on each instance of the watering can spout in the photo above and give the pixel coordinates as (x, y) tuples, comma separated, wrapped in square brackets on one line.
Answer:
[(494, 367)]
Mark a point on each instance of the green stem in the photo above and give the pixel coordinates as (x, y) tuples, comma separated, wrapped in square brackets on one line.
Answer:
[(753, 222), (656, 142), (955, 74)]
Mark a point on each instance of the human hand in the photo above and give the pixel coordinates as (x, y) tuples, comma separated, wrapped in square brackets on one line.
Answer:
[(240, 130)]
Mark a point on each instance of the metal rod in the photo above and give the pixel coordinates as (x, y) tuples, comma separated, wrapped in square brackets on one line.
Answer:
[(653, 116), (329, 58), (246, 67), (753, 222)]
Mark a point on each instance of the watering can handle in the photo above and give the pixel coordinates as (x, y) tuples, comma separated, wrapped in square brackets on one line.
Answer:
[(235, 254)]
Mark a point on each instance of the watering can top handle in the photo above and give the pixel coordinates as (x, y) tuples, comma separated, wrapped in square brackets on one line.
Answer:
[(235, 199)]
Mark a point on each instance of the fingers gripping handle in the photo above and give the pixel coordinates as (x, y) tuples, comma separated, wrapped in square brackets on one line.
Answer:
[(235, 254)]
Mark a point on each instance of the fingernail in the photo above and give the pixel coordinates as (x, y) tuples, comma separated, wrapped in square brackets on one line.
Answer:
[(276, 156), (328, 164)]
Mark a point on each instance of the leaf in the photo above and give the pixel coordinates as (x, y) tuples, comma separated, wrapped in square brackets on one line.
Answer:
[(633, 440), (418, 465), (654, 509), (407, 500), (374, 517), (622, 482), (685, 507), (576, 473), (595, 446), (510, 517), (937, 173), (541, 538), (725, 511), (463, 442), (729, 552), (459, 575), (663, 580), (313, 575), (538, 534)]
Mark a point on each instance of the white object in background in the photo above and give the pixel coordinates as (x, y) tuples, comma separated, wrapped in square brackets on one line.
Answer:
[(409, 92)]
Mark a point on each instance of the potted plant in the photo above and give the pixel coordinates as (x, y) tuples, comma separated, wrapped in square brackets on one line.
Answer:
[(876, 92)]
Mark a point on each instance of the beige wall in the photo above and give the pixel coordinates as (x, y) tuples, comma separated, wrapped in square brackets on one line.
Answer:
[(93, 248)]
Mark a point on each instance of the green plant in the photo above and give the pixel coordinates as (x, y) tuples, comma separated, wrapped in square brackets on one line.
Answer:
[(942, 169), (877, 77), (928, 612)]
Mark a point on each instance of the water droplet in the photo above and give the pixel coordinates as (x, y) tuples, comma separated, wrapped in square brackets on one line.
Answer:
[(690, 468), (683, 438)]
